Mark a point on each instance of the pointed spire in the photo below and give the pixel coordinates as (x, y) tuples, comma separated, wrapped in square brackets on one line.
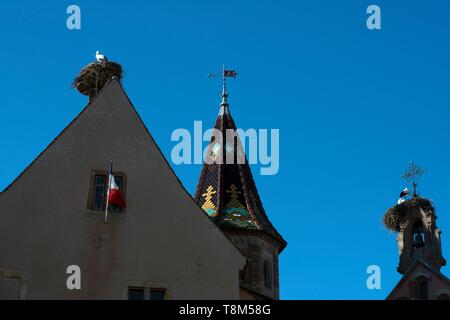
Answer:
[(227, 191)]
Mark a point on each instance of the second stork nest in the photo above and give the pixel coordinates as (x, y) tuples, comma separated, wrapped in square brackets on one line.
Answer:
[(393, 216)]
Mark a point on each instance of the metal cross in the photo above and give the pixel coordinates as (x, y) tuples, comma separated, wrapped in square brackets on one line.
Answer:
[(413, 175)]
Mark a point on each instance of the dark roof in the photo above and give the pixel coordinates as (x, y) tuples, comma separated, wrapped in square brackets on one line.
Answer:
[(227, 191), (411, 268)]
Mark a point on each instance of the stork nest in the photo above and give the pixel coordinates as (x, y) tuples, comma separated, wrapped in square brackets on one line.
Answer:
[(393, 216), (95, 76)]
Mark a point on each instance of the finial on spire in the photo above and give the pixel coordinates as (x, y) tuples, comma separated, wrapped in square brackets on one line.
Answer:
[(412, 175), (225, 74), (224, 88)]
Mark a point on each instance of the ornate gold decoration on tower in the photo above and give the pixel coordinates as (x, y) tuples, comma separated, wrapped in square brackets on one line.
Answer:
[(208, 205)]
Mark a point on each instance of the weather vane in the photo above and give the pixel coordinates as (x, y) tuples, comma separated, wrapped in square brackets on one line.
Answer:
[(225, 74), (413, 175)]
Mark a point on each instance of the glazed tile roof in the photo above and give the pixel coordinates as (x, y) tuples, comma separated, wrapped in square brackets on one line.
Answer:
[(226, 190)]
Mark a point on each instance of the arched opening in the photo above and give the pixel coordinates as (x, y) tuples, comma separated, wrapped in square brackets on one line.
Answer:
[(267, 274), (245, 273), (418, 235), (443, 296), (421, 288)]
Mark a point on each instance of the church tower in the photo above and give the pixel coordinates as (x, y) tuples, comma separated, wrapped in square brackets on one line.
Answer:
[(419, 237), (419, 248), (227, 192)]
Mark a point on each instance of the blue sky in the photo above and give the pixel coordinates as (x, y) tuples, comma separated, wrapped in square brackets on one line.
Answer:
[(353, 107)]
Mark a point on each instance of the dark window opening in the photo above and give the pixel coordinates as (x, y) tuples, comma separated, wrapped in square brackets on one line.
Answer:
[(418, 235), (135, 293), (421, 285), (157, 294), (267, 274), (140, 293), (245, 273), (100, 190)]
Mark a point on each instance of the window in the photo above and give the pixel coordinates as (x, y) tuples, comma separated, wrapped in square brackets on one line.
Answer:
[(157, 294), (99, 192), (418, 235), (141, 293), (13, 285), (421, 288), (245, 273), (267, 274), (135, 293), (9, 288), (99, 188)]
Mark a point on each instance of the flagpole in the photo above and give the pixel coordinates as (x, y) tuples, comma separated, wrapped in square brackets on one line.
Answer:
[(107, 192)]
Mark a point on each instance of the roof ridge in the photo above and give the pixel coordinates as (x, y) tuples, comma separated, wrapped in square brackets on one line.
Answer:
[(58, 136)]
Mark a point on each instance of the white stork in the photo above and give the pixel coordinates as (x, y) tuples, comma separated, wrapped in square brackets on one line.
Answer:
[(402, 195), (100, 57)]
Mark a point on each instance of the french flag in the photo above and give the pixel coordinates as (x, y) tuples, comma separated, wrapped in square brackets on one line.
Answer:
[(115, 196)]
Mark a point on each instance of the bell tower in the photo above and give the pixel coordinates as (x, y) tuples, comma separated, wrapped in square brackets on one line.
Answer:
[(419, 246), (227, 192), (418, 235)]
